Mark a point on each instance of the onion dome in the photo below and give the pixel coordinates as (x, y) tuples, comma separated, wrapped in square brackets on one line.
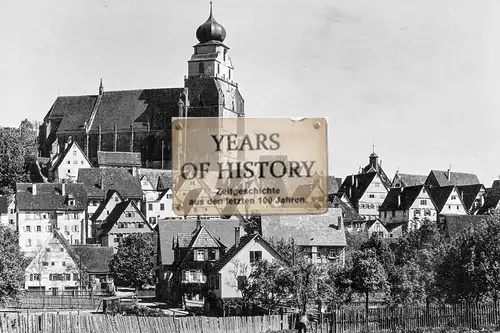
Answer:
[(211, 30)]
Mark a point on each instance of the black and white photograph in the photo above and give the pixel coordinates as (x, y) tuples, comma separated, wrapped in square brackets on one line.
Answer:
[(221, 166)]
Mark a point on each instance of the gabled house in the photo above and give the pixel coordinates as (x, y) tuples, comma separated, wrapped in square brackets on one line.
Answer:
[(222, 230), (408, 205), (439, 178), (406, 180), (125, 219), (93, 261), (321, 236), (375, 227), (64, 167), (236, 265), (129, 161), (113, 198), (53, 267), (97, 182), (149, 191), (160, 208), (195, 254), (352, 220), (447, 200), (366, 192), (473, 197), (492, 199), (44, 207)]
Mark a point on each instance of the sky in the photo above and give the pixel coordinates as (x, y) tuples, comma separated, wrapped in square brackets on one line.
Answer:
[(420, 79)]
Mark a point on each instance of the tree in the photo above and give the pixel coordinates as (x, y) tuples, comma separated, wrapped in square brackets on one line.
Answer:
[(12, 265), (354, 241), (470, 269), (132, 265), (368, 274), (308, 278), (417, 255), (269, 286), (382, 251), (18, 153)]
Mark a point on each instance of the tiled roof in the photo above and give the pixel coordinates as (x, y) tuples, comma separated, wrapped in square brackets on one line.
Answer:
[(440, 195), (118, 211), (350, 213), (164, 181), (203, 239), (118, 158), (440, 178), (96, 259), (469, 194), (58, 159), (154, 175), (307, 230), (407, 196), (491, 201), (222, 229), (454, 224), (182, 240), (49, 197), (411, 180), (370, 223), (363, 180), (4, 205), (120, 108), (378, 169), (233, 251), (333, 185), (391, 226), (112, 179), (74, 111)]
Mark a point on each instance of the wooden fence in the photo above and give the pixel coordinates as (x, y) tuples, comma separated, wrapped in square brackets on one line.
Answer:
[(53, 323), (55, 302), (473, 316)]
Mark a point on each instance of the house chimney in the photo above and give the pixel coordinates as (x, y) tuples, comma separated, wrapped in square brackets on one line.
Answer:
[(198, 223), (448, 174), (399, 200), (236, 236), (63, 189), (68, 142), (33, 189)]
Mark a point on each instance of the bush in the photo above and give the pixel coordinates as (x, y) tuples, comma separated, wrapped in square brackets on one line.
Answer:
[(283, 331), (134, 310)]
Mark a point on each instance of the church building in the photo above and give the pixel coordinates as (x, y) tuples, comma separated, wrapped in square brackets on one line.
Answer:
[(140, 120)]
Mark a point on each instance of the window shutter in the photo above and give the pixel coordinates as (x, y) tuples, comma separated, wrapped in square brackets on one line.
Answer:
[(205, 254)]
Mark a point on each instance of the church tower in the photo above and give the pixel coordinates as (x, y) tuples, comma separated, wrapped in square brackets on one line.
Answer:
[(211, 89)]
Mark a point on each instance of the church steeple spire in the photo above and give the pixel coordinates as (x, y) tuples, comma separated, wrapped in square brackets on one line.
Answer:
[(211, 30), (101, 88)]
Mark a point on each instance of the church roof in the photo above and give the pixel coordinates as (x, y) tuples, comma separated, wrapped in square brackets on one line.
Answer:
[(121, 108)]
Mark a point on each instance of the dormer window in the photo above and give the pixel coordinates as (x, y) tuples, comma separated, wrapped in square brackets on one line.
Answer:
[(71, 202)]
